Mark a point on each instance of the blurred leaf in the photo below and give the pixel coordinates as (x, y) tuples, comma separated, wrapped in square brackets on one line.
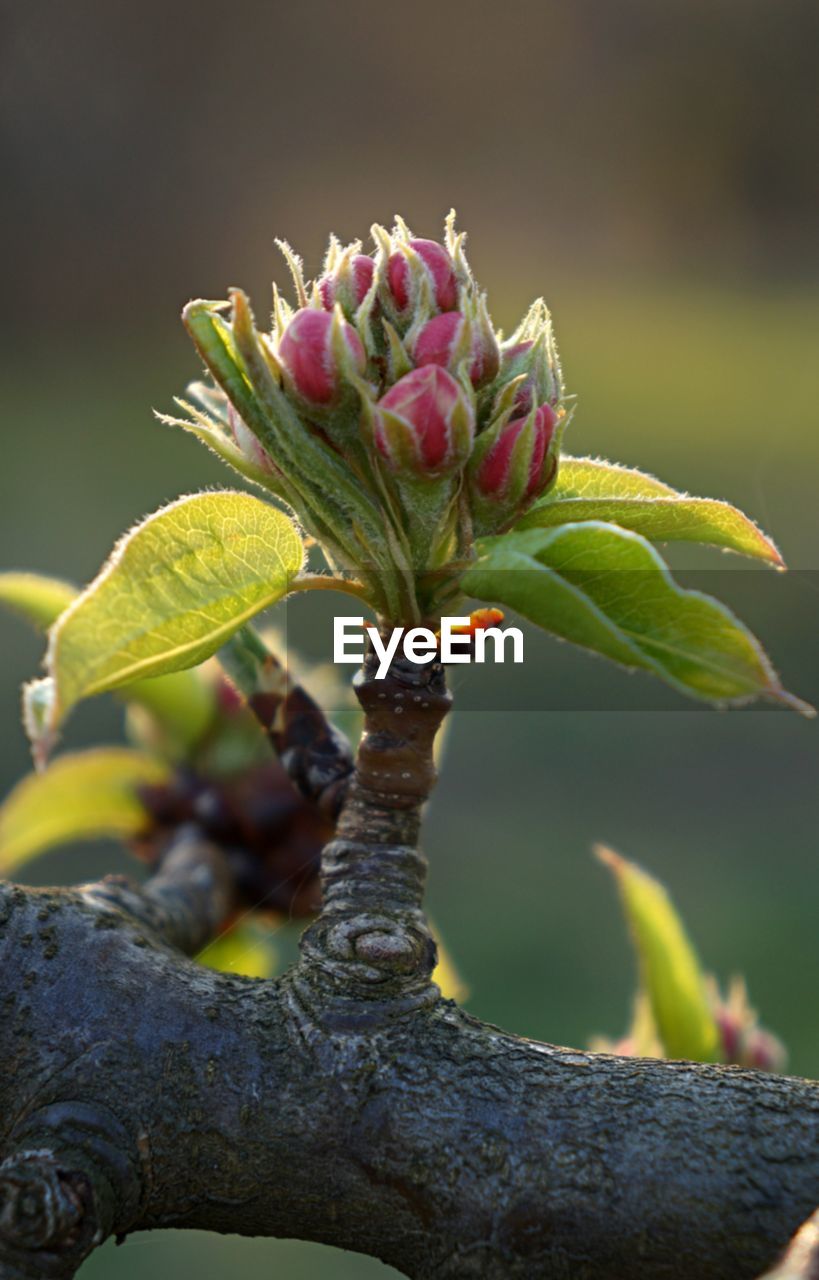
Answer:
[(587, 489), (180, 704), (445, 973), (38, 599), (642, 1039), (608, 590), (669, 970), (81, 796), (180, 709), (247, 949), (172, 592)]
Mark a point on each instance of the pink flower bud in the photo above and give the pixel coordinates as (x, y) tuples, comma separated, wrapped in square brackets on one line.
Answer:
[(350, 285), (764, 1051), (439, 266), (525, 395), (441, 341), (307, 354), (425, 423), (494, 473), (252, 448)]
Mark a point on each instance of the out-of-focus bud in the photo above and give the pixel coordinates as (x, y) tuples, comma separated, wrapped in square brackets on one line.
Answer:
[(311, 359), (252, 448), (764, 1051), (348, 285), (425, 424), (450, 338), (431, 258), (513, 464), (742, 1039)]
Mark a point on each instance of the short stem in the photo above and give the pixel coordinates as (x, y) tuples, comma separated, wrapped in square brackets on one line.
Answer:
[(326, 582), (370, 954)]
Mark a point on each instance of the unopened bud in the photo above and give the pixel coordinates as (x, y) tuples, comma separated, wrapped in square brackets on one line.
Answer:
[(742, 1039), (348, 285), (529, 361), (435, 260), (765, 1051), (310, 359), (517, 454), (449, 338), (425, 424), (251, 448)]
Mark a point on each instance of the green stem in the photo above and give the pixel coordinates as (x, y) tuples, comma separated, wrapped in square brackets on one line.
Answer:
[(326, 582)]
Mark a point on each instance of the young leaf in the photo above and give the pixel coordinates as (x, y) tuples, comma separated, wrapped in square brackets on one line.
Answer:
[(38, 599), (670, 973), (180, 703), (587, 489), (83, 795), (172, 592), (594, 478), (608, 590)]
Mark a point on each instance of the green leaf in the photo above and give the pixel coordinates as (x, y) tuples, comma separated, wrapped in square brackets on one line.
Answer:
[(669, 970), (172, 592), (594, 478), (247, 949), (180, 703), (608, 590), (38, 599), (83, 795), (587, 489)]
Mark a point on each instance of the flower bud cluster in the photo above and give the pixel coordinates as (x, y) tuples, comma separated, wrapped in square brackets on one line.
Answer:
[(390, 365)]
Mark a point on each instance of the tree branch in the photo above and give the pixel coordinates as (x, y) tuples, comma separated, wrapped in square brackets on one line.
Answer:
[(347, 1102), (315, 754)]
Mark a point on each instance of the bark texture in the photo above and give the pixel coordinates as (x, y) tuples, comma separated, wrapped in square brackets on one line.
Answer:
[(347, 1102)]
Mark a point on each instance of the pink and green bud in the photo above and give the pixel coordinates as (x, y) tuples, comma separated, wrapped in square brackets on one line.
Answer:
[(529, 361), (431, 258), (313, 359), (449, 339), (514, 463), (425, 424), (348, 285), (765, 1051), (251, 448), (742, 1039)]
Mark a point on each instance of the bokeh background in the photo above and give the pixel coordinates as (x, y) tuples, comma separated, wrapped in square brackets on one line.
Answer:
[(652, 170)]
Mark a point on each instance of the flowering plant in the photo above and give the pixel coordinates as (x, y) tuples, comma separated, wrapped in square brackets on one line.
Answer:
[(422, 454)]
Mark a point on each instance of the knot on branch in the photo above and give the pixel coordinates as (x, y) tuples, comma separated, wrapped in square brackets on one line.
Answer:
[(369, 957), (358, 874), (42, 1206)]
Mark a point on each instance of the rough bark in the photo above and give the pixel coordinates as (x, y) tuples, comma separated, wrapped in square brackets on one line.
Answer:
[(347, 1102)]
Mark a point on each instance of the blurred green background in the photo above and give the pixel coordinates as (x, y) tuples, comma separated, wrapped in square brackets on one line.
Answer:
[(650, 169)]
